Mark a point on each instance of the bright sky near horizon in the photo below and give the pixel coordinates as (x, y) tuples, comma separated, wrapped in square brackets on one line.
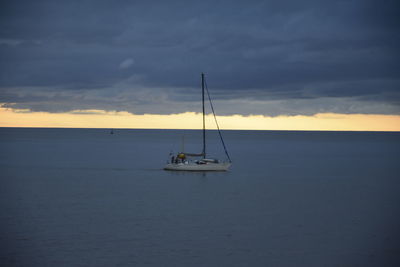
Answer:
[(190, 120)]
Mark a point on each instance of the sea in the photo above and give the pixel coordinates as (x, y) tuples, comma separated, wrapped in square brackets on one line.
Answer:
[(86, 197)]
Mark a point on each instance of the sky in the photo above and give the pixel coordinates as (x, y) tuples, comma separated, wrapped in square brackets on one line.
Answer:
[(262, 59)]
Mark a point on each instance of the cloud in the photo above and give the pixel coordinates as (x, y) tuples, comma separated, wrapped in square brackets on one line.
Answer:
[(292, 57), (126, 63), (132, 96)]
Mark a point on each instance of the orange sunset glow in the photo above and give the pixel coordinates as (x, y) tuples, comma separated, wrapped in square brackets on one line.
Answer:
[(190, 120)]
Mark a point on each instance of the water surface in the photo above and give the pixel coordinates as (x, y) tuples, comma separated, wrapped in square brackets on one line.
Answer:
[(84, 197)]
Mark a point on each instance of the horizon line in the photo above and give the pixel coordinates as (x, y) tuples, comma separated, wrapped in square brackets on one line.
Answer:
[(194, 129)]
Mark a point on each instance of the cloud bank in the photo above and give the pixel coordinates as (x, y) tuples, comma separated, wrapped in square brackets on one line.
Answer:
[(260, 57)]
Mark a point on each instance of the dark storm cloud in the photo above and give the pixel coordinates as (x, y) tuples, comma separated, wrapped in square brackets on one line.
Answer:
[(146, 56)]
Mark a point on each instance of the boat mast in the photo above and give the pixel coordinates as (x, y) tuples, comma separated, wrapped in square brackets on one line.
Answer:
[(183, 144), (204, 119)]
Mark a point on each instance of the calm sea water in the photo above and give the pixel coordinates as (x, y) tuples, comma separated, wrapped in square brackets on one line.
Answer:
[(84, 197)]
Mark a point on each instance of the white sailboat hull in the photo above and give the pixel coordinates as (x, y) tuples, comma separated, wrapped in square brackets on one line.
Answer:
[(223, 166)]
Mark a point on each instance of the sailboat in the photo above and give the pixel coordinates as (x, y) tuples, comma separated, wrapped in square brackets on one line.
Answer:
[(183, 161)]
